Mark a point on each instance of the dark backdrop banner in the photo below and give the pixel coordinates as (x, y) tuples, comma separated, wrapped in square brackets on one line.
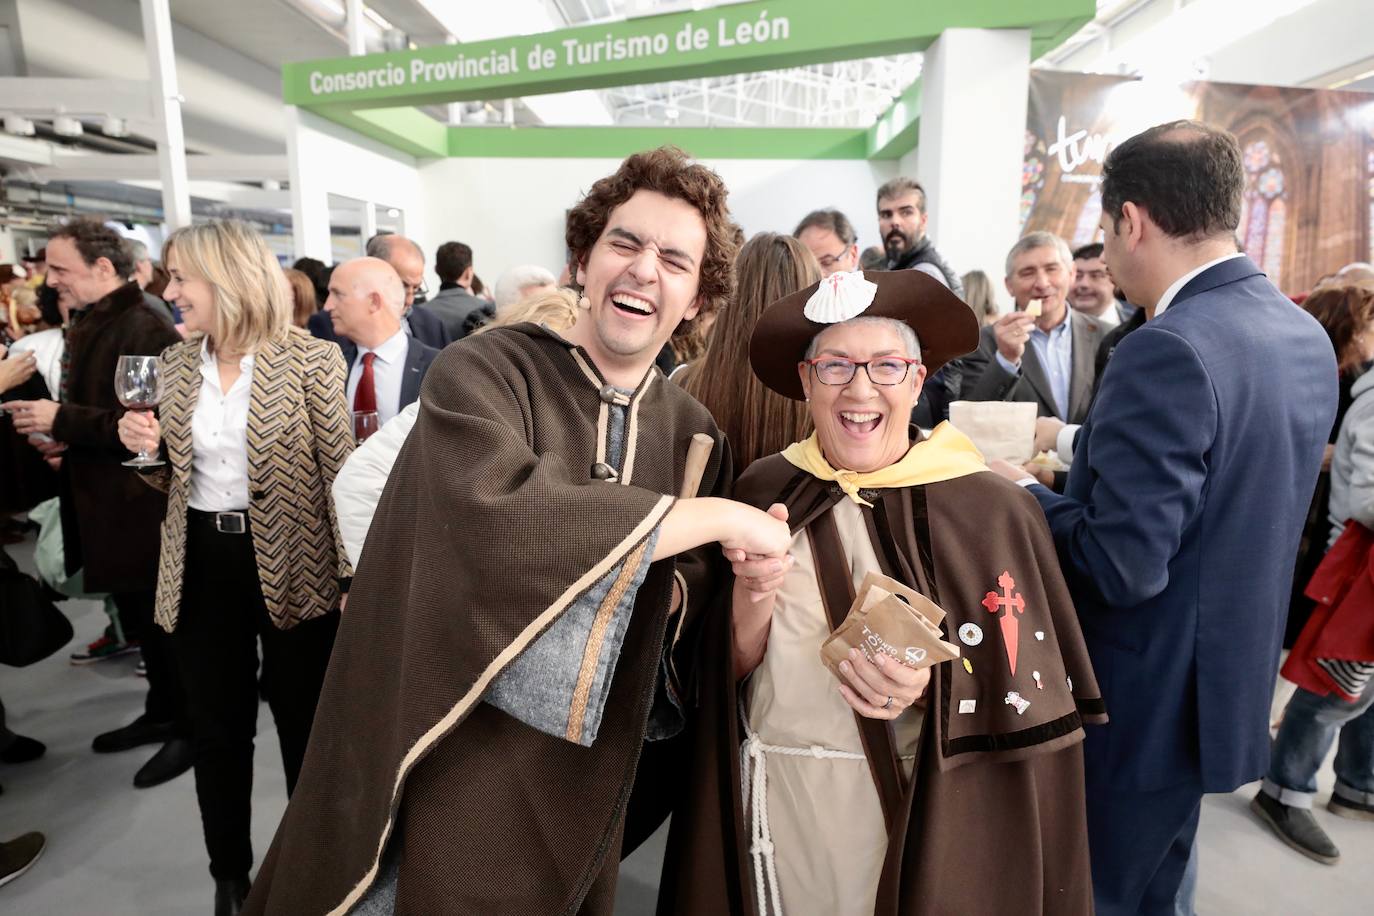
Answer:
[(1309, 162)]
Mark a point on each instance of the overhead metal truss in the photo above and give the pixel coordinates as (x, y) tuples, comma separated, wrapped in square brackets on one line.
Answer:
[(844, 94)]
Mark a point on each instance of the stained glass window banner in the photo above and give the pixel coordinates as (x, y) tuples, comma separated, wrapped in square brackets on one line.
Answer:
[(1301, 147)]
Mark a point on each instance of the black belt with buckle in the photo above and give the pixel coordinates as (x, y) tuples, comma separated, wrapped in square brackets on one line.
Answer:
[(225, 522)]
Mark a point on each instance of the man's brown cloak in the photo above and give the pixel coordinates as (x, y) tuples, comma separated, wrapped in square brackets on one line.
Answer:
[(994, 822), (490, 526)]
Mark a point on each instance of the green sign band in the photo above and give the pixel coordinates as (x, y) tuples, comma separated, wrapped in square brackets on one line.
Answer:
[(723, 40)]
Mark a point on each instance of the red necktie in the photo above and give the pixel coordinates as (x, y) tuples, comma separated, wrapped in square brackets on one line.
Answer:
[(365, 397)]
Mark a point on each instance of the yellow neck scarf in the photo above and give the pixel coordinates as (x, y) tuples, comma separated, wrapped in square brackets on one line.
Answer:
[(943, 455)]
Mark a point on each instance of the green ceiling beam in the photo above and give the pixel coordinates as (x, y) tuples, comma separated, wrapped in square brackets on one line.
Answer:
[(723, 40), (896, 132), (618, 142), (406, 129)]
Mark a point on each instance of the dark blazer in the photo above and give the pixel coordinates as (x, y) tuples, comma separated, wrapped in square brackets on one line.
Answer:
[(1179, 526), (424, 327), (418, 358), (984, 379), (454, 307), (110, 518)]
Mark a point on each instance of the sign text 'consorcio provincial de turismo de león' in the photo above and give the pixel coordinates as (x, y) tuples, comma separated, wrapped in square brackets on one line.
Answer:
[(569, 52)]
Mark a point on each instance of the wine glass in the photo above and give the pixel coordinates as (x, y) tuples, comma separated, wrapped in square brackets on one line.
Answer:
[(138, 384), (365, 423)]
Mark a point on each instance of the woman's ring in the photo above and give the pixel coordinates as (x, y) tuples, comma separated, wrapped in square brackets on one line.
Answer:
[(888, 704)]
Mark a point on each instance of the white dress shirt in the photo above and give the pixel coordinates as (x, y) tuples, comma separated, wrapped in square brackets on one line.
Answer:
[(1172, 292), (388, 370), (219, 438), (47, 348)]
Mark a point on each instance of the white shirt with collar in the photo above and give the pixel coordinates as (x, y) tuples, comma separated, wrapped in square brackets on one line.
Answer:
[(388, 371), (1172, 292), (1065, 440), (219, 438)]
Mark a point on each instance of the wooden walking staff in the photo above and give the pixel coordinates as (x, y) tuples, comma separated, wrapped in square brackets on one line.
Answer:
[(698, 453)]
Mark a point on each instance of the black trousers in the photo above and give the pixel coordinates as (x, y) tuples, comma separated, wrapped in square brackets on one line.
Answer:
[(165, 702), (216, 647)]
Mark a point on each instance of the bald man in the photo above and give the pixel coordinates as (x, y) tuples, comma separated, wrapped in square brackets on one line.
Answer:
[(408, 260), (385, 365)]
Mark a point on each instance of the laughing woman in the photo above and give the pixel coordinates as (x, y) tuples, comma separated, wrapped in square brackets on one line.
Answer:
[(883, 789), (254, 426)]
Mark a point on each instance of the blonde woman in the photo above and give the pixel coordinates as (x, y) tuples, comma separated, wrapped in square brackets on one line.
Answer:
[(254, 426), (981, 296)]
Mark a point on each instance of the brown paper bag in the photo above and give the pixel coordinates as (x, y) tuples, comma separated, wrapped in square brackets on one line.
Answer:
[(890, 618), (1000, 429)]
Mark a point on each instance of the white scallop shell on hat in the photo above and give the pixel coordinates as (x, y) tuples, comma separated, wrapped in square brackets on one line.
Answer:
[(840, 297)]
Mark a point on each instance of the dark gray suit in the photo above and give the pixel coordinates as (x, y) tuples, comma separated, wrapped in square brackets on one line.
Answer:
[(984, 379), (453, 307), (419, 355)]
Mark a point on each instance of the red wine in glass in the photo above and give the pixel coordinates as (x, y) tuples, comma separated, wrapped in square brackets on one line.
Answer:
[(138, 385)]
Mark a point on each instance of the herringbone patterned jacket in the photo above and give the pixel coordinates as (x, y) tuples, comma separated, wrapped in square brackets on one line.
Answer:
[(299, 435)]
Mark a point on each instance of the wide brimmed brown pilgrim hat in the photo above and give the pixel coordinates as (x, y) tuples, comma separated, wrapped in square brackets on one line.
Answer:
[(944, 324)]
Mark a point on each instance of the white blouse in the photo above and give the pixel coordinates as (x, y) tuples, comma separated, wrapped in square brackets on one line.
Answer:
[(219, 438)]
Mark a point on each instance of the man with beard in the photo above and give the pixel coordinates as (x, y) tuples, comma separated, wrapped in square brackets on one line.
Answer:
[(902, 224), (479, 735)]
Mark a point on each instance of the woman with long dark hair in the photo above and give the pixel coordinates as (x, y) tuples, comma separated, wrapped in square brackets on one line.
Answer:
[(755, 420)]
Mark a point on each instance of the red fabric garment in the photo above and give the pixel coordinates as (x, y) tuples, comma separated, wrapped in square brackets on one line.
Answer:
[(1342, 625), (365, 397)]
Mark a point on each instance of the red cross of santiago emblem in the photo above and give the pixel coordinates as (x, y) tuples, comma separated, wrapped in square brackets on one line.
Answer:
[(1010, 625)]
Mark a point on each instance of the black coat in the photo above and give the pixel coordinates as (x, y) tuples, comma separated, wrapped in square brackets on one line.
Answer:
[(110, 518)]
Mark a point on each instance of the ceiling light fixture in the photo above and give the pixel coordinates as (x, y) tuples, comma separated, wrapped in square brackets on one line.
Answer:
[(20, 127), (114, 127), (65, 126)]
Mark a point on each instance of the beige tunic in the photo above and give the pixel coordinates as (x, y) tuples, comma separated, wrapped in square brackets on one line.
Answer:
[(823, 814)]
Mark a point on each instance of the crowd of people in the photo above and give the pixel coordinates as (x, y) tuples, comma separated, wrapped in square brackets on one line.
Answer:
[(671, 484)]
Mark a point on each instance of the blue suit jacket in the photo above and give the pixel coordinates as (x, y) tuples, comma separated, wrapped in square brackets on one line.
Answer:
[(1179, 527), (418, 359)]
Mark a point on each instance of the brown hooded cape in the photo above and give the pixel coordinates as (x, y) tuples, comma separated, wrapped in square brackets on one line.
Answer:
[(994, 820), (489, 528)]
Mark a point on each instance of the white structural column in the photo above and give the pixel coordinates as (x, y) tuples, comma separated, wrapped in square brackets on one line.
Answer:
[(974, 88), (357, 43), (171, 142), (309, 194)]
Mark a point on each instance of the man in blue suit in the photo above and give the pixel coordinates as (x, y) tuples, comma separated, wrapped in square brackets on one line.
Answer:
[(1180, 520)]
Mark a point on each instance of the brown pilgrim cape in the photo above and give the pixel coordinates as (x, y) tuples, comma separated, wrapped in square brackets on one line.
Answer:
[(995, 822), (489, 527)]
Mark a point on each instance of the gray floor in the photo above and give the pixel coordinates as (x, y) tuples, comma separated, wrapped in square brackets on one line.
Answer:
[(117, 851)]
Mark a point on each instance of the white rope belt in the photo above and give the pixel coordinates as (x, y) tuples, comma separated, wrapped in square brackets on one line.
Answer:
[(754, 786)]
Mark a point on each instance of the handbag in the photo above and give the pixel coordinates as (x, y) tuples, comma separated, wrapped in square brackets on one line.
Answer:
[(31, 626)]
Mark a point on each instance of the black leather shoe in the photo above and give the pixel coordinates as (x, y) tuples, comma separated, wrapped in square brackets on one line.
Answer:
[(175, 758), (22, 750), (135, 734), (229, 896), (1296, 827)]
